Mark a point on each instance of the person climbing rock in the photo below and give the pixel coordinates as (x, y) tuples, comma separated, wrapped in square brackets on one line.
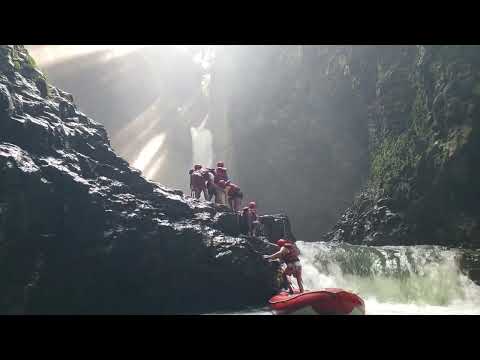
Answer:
[(289, 253), (249, 214), (197, 182), (232, 193)]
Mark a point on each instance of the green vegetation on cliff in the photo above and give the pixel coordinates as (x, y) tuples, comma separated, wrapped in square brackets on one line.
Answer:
[(424, 144)]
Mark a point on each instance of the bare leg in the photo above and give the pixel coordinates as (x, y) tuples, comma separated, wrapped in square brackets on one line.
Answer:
[(218, 196), (298, 276), (221, 197), (285, 280), (237, 202), (254, 228), (211, 192), (250, 225)]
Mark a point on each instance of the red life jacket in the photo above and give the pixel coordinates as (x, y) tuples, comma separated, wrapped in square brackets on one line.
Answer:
[(220, 174), (197, 180), (293, 253)]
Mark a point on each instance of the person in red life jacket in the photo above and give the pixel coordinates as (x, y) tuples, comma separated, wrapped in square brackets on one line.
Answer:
[(233, 194), (289, 253), (220, 174), (250, 215), (198, 182)]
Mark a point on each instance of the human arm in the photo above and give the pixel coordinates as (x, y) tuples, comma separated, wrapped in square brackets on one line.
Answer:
[(277, 255)]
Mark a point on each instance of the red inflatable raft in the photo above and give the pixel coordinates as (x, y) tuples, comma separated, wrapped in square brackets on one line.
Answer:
[(329, 301)]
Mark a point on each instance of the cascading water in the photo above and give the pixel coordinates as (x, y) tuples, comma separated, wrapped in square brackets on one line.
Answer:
[(391, 279), (202, 144)]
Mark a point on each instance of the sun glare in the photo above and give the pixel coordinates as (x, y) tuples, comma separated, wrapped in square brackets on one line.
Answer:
[(52, 54)]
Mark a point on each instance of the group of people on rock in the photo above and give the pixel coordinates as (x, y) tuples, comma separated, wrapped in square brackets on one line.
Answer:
[(216, 183)]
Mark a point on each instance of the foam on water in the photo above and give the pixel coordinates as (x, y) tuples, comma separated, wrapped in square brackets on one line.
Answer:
[(396, 280)]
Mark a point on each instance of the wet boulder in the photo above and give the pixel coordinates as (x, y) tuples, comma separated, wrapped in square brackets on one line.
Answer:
[(276, 227), (81, 232)]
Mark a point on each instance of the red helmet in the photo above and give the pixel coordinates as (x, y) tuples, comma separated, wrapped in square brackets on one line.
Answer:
[(197, 167), (220, 164), (252, 205), (281, 242), (221, 183)]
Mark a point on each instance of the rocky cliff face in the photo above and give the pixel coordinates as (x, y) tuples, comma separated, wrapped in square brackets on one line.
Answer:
[(424, 149), (82, 232)]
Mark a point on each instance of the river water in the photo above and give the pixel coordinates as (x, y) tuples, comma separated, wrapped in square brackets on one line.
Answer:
[(393, 280)]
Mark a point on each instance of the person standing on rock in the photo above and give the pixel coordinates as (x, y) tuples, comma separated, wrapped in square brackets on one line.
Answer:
[(197, 182), (250, 215), (232, 193), (289, 253), (221, 172), (209, 175), (219, 175)]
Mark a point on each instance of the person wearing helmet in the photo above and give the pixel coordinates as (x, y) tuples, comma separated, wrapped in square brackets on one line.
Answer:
[(233, 194), (220, 173), (197, 182), (250, 215), (289, 253)]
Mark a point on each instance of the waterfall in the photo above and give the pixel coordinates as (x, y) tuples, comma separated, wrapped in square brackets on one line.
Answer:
[(202, 144)]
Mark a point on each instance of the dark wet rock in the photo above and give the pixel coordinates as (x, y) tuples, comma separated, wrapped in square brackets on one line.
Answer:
[(470, 264), (83, 232), (6, 104), (42, 87), (228, 222), (361, 224), (272, 227), (276, 227)]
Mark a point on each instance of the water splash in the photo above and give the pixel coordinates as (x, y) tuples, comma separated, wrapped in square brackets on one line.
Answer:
[(394, 279)]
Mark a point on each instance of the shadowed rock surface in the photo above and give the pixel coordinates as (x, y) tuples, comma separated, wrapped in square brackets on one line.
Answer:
[(82, 232)]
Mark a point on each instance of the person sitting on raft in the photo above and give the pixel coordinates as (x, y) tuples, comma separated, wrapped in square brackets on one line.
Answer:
[(289, 253)]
